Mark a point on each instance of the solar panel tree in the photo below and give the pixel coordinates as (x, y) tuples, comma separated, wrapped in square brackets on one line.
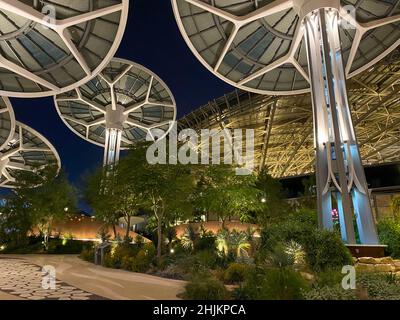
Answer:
[(49, 47), (118, 108), (287, 47), (22, 149)]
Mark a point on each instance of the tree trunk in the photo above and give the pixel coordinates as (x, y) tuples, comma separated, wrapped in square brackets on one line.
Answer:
[(223, 223), (114, 230), (128, 227), (159, 237)]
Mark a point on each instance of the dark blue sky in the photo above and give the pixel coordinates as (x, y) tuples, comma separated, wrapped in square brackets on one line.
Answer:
[(152, 39)]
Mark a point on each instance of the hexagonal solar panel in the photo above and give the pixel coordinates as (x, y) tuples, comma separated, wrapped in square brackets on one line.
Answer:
[(49, 47), (7, 121), (259, 46), (27, 150), (146, 100)]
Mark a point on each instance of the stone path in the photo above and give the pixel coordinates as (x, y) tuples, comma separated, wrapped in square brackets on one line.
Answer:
[(78, 278), (24, 280)]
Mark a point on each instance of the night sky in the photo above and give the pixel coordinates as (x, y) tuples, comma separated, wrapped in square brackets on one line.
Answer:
[(152, 39)]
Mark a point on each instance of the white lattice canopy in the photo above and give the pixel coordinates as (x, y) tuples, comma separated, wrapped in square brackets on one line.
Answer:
[(49, 47), (259, 45), (126, 97), (7, 121), (27, 150)]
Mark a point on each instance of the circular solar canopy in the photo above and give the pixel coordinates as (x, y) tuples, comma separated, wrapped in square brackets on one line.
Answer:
[(7, 122), (125, 96), (259, 46), (27, 150), (48, 47)]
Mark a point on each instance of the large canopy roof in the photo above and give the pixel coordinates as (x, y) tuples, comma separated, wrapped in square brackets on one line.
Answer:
[(284, 142), (258, 45), (27, 150), (48, 47), (145, 100), (7, 121)]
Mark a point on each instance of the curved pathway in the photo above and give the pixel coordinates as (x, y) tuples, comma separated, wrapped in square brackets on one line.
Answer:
[(21, 277)]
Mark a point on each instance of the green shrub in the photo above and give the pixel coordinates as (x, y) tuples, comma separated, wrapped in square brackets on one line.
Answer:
[(108, 260), (140, 262), (66, 246), (380, 286), (330, 293), (329, 278), (389, 234), (172, 271), (205, 287), (206, 259), (279, 257), (325, 251), (236, 273), (87, 254), (272, 284), (296, 227), (150, 250), (29, 248), (328, 286), (206, 242)]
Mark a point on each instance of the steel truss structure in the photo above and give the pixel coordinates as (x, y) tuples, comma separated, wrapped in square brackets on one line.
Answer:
[(284, 141)]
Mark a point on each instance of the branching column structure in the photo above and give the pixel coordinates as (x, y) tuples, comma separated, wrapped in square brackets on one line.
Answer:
[(340, 174)]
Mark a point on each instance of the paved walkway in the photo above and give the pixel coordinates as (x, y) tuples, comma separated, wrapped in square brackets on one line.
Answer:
[(21, 277)]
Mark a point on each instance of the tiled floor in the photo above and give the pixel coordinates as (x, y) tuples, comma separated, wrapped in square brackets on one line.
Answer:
[(24, 280)]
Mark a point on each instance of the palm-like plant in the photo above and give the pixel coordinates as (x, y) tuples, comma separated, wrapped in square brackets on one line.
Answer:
[(239, 243), (188, 238), (235, 242), (222, 241), (295, 250)]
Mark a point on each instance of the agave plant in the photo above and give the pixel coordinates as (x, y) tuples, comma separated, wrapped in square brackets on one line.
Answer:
[(188, 238), (239, 243), (295, 250), (235, 241), (278, 257)]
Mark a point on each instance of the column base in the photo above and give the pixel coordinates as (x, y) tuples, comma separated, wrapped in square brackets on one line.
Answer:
[(361, 250)]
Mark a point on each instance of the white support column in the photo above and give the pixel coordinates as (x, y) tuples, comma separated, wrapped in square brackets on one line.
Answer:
[(115, 119), (340, 174), (112, 147)]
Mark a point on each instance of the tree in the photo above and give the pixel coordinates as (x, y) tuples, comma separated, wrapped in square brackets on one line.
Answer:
[(162, 189), (272, 197), (222, 192), (113, 194), (167, 188), (42, 198)]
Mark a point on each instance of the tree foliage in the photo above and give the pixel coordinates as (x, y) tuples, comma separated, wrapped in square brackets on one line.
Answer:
[(222, 192), (39, 200)]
